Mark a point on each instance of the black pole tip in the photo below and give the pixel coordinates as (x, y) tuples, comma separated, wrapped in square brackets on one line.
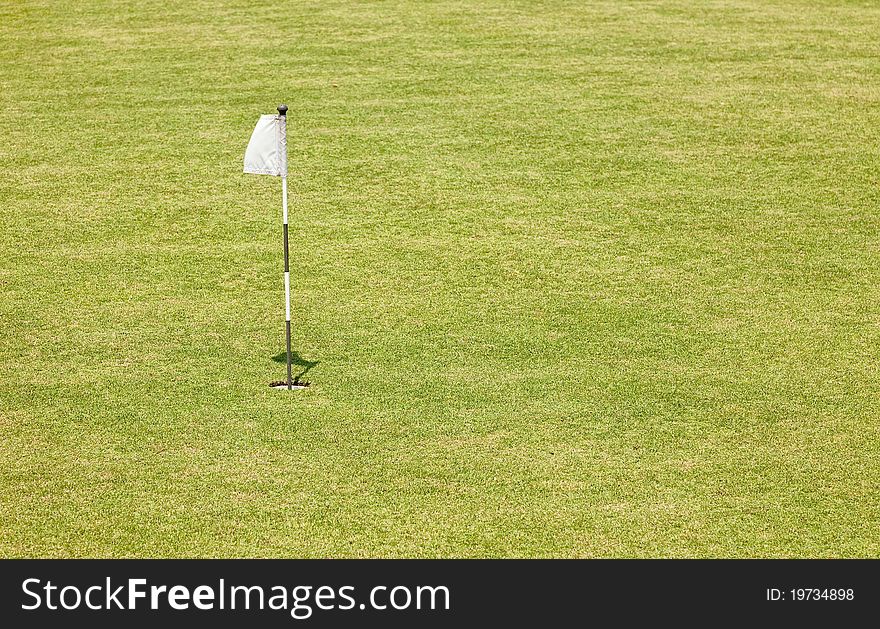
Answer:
[(282, 109)]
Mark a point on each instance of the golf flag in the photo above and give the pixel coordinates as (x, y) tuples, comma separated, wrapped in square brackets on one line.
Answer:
[(266, 153)]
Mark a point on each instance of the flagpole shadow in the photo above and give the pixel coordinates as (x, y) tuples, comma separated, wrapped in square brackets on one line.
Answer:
[(299, 361)]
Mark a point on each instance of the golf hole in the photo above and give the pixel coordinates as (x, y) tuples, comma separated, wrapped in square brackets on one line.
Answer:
[(282, 386)]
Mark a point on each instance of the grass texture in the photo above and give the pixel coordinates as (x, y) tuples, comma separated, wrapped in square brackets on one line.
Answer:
[(571, 279)]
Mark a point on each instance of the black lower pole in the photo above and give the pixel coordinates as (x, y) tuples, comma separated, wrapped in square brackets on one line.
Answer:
[(287, 322)]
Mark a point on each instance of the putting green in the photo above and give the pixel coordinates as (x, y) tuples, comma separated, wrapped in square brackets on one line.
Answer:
[(569, 279)]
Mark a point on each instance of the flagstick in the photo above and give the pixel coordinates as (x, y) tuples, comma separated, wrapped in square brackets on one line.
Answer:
[(282, 109)]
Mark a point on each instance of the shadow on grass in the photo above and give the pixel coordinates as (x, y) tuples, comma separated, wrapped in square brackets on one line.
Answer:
[(299, 361)]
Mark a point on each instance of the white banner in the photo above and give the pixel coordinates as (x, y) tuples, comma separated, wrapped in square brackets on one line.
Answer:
[(267, 151)]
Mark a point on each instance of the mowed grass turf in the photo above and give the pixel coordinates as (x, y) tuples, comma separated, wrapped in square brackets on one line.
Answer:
[(579, 279)]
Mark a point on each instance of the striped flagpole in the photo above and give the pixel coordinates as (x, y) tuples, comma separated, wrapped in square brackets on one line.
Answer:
[(282, 109)]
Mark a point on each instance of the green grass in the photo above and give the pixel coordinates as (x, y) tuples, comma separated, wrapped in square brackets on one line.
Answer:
[(581, 279)]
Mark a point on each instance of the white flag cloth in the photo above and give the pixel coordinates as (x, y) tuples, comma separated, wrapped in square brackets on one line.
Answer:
[(266, 153)]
